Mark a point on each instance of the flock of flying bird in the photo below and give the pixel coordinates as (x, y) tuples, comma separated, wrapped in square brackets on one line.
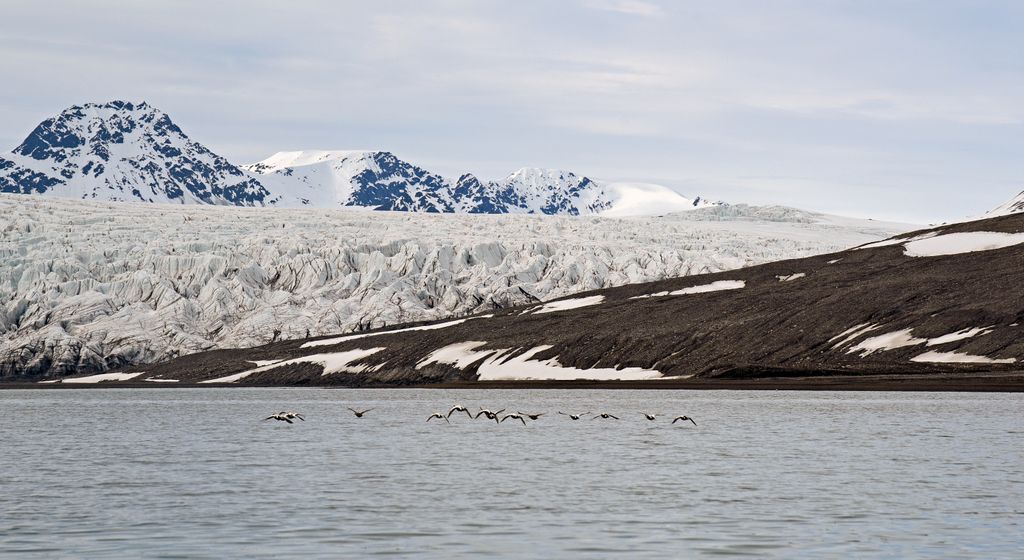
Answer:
[(489, 414)]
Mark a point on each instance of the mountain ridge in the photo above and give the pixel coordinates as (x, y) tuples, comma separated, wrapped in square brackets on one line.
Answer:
[(122, 150)]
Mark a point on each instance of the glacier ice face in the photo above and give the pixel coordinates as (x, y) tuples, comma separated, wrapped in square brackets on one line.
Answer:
[(88, 286)]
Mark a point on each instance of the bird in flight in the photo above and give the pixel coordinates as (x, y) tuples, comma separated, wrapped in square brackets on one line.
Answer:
[(650, 416), (514, 417), (605, 415), (460, 408), (684, 419), (281, 417), (438, 415), (531, 416), (490, 415), (574, 416), (359, 414)]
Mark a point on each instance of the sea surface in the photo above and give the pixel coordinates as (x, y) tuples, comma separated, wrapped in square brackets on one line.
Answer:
[(198, 473)]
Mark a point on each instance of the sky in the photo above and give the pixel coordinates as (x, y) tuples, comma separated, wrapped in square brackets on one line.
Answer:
[(897, 110)]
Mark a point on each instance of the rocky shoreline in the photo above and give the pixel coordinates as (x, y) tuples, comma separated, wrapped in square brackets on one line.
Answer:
[(975, 382)]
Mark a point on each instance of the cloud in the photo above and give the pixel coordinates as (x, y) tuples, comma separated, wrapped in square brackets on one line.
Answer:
[(821, 97), (629, 7)]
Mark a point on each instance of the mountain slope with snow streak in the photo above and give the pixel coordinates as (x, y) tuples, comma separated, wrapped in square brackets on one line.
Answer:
[(88, 286), (942, 305), (1012, 206)]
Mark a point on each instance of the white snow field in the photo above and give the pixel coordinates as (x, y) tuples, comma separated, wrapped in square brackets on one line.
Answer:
[(965, 242), (957, 357), (565, 304), (89, 286), (903, 338), (337, 362), (497, 366), (716, 286), (932, 244)]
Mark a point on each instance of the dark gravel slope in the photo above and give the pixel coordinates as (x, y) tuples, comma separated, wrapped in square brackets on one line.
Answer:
[(767, 328)]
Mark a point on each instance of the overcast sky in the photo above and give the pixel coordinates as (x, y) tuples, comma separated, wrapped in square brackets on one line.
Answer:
[(889, 109)]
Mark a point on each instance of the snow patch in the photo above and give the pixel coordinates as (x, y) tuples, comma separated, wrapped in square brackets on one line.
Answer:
[(460, 354), (336, 362), (959, 335), (566, 304), (888, 341), (340, 339), (715, 286), (102, 377), (496, 367), (957, 243), (903, 338), (791, 277), (161, 380), (956, 357), (852, 333), (895, 241)]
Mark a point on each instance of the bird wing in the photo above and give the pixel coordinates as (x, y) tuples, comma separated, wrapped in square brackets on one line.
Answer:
[(269, 418), (448, 421), (365, 411), (478, 414), (352, 409), (287, 420), (523, 420), (500, 411), (299, 416), (503, 419), (431, 417), (694, 423), (614, 416), (454, 408), (562, 413)]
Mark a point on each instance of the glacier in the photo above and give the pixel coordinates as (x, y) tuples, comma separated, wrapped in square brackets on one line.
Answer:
[(87, 287)]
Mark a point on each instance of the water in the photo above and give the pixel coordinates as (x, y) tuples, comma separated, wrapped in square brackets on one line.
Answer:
[(195, 473)]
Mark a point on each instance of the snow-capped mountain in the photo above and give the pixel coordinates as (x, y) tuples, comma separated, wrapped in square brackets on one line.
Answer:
[(120, 151), (123, 151), (90, 286), (379, 180), (1012, 206)]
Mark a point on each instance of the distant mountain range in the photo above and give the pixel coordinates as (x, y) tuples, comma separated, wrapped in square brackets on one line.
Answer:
[(1012, 206), (123, 151)]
